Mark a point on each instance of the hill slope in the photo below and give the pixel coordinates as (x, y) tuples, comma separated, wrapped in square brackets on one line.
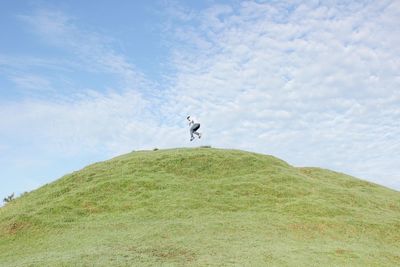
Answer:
[(202, 207)]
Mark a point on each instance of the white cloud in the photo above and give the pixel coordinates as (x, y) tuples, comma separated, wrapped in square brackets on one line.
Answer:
[(32, 82), (109, 123), (94, 52), (316, 86)]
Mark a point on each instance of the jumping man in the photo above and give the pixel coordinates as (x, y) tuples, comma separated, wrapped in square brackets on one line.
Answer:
[(193, 128)]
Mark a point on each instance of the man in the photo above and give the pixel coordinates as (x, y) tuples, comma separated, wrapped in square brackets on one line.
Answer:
[(193, 128)]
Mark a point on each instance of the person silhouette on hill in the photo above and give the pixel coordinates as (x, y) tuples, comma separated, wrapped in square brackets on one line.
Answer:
[(193, 128)]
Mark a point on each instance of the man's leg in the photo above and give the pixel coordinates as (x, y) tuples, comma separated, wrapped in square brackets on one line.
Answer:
[(194, 129), (198, 134), (191, 135)]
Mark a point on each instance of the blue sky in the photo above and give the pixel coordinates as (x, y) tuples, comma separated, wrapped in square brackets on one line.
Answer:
[(315, 83)]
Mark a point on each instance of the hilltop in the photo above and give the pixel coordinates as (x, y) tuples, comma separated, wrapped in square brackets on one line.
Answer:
[(202, 207)]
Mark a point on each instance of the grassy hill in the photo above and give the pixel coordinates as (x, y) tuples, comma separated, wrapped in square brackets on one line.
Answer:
[(202, 207)]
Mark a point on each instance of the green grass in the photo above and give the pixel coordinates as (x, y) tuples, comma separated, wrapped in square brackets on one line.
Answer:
[(202, 207)]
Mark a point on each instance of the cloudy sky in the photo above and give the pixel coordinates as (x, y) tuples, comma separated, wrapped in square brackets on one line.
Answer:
[(316, 83)]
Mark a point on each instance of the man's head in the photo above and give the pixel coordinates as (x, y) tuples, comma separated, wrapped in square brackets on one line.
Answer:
[(188, 118)]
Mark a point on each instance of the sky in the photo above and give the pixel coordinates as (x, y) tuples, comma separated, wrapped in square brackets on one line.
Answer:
[(315, 83)]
